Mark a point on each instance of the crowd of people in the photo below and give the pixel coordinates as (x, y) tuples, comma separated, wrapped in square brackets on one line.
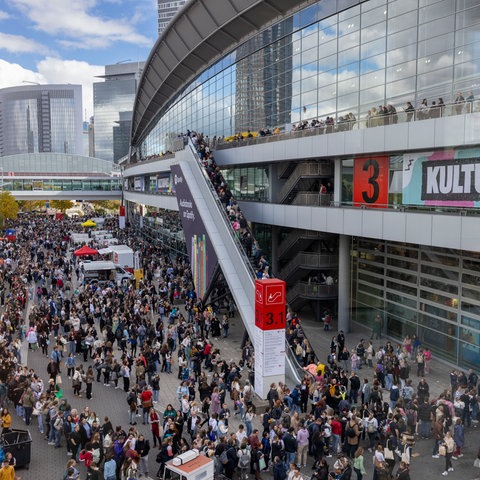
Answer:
[(357, 399)]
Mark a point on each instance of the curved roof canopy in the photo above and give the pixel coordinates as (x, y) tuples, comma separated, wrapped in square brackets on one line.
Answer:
[(202, 31)]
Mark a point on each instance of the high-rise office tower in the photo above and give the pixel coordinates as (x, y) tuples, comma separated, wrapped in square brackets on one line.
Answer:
[(41, 118), (166, 11), (113, 104)]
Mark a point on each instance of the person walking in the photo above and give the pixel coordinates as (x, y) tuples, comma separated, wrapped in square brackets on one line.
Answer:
[(449, 447), (358, 464)]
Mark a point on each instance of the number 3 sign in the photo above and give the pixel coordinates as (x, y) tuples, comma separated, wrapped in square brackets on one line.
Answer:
[(370, 181)]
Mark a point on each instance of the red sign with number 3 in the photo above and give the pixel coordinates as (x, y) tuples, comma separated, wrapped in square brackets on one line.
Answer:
[(370, 181)]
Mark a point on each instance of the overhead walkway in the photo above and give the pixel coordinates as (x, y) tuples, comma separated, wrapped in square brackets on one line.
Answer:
[(232, 258)]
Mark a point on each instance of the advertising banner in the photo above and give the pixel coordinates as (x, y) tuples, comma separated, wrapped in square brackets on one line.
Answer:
[(203, 259), (445, 178), (370, 181)]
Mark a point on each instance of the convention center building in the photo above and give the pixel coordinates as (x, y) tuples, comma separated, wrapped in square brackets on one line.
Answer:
[(348, 133)]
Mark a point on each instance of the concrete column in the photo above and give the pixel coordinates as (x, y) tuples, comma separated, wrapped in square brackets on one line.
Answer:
[(337, 182), (344, 282), (274, 259)]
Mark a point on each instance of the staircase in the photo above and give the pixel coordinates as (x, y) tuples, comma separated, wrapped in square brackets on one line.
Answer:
[(307, 261), (305, 170)]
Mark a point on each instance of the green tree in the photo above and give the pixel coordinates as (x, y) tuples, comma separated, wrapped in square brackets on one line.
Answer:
[(8, 207), (61, 205)]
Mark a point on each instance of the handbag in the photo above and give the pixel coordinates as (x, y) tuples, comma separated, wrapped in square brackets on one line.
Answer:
[(476, 463), (388, 454), (261, 463), (406, 455), (442, 450)]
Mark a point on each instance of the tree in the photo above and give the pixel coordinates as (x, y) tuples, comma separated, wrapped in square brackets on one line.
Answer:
[(61, 205), (8, 207), (31, 205), (109, 205)]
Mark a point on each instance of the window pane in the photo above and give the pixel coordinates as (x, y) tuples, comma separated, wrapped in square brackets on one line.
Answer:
[(373, 48), (402, 22), (400, 39), (434, 12), (436, 28)]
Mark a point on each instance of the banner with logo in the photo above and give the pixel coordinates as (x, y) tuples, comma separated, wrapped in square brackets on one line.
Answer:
[(446, 178), (203, 259)]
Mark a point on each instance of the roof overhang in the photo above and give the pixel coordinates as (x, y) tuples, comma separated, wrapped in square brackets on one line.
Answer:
[(202, 32)]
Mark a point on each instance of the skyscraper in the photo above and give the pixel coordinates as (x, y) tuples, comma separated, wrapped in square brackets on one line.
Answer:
[(113, 104), (166, 11), (41, 118)]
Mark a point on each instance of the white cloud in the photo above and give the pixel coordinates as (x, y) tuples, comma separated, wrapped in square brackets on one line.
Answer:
[(19, 44), (13, 75), (4, 15), (73, 20), (56, 70)]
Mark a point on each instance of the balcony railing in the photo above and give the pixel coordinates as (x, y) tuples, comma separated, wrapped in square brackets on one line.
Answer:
[(304, 128)]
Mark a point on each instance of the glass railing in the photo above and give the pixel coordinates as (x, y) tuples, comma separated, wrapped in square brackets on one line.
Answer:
[(310, 127)]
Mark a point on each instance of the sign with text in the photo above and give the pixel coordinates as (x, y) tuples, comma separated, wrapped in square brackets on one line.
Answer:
[(370, 181), (444, 178), (203, 259)]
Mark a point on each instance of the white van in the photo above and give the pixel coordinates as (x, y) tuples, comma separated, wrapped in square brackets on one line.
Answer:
[(104, 272)]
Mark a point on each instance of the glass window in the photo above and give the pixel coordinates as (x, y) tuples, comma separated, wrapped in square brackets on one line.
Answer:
[(373, 63), (434, 62), (347, 86), (327, 78), (464, 4), (402, 70), (434, 12), (327, 48), (327, 92), (467, 53), (402, 55), (348, 56), (327, 63), (348, 71), (402, 22), (367, 6), (310, 55), (400, 39), (348, 41), (401, 6), (438, 44), (401, 88), (436, 28), (465, 70), (373, 96), (347, 102), (437, 77), (373, 48), (372, 79)]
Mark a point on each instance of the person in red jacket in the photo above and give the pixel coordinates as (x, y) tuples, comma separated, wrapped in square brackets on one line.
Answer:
[(146, 397), (86, 455)]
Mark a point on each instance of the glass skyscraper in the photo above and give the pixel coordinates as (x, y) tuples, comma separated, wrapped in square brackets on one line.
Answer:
[(41, 118), (166, 11), (113, 104)]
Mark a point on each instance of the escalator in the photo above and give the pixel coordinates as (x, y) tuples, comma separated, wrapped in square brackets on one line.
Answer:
[(232, 258)]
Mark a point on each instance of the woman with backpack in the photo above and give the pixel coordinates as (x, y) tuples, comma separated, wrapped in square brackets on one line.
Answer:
[(244, 457)]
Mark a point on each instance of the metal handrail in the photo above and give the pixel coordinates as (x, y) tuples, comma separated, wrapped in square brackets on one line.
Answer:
[(221, 207)]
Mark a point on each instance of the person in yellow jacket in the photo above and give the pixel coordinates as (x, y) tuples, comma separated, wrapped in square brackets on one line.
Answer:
[(6, 420), (7, 472)]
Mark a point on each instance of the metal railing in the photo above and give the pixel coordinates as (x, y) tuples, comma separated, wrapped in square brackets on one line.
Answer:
[(312, 291), (296, 236), (313, 261), (303, 170), (221, 207)]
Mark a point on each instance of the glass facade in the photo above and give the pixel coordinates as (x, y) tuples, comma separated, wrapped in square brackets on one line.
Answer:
[(43, 118), (431, 292), (333, 58), (113, 103)]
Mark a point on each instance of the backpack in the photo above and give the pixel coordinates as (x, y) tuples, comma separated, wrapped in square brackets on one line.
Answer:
[(224, 457), (244, 460), (351, 432)]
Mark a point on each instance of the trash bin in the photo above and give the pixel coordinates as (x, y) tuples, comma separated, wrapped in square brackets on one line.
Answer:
[(19, 444)]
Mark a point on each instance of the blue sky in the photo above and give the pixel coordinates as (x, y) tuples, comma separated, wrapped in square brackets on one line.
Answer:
[(68, 41)]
